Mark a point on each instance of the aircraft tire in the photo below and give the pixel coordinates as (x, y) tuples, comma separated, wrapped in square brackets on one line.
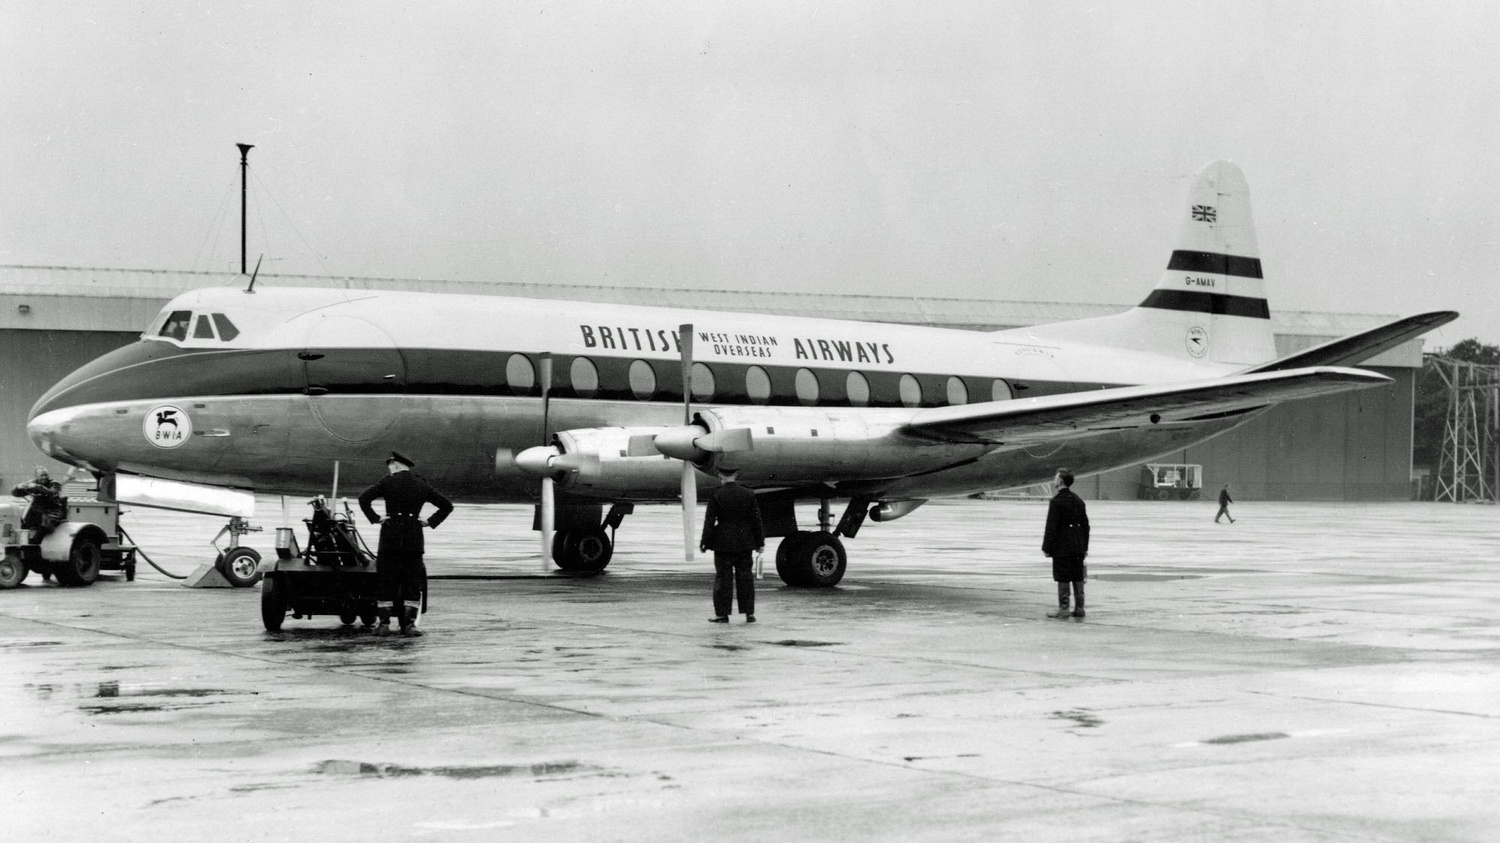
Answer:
[(12, 571), (790, 572), (582, 551), (347, 618), (811, 559), (273, 604), (82, 565), (241, 566)]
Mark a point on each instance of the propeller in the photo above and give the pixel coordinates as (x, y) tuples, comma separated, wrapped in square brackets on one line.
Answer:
[(689, 474), (549, 503)]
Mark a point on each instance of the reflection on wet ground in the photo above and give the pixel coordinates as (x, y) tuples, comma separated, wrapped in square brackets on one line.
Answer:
[(1274, 680)]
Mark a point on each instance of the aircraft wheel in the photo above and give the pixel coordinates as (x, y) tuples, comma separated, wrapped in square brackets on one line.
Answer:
[(273, 603), (12, 571), (811, 560), (82, 565), (367, 616), (586, 551), (347, 618), (241, 566)]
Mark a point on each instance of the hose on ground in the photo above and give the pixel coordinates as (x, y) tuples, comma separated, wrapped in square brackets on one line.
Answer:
[(143, 555)]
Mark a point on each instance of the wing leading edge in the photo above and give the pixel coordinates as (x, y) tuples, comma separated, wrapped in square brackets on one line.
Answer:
[(1076, 414)]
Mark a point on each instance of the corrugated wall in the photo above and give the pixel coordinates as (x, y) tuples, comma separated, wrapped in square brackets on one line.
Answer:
[(1350, 447), (32, 362)]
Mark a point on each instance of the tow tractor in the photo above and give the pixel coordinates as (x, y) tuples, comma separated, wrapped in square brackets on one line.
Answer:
[(74, 552), (334, 575)]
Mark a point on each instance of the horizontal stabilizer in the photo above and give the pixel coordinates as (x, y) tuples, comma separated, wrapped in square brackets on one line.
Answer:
[(1056, 417), (1357, 348)]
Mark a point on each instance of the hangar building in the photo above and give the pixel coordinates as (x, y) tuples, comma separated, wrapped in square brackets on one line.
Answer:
[(1356, 446)]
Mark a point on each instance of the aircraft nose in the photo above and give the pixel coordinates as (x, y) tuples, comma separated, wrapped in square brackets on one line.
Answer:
[(50, 433)]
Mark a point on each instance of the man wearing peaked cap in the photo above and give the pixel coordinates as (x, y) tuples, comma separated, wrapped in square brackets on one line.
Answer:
[(401, 573)]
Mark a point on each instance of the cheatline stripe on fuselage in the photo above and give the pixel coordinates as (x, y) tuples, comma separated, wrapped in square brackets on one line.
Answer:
[(149, 374), (1214, 263)]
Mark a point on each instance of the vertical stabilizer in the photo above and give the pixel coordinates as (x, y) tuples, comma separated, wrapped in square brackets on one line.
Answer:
[(1213, 279)]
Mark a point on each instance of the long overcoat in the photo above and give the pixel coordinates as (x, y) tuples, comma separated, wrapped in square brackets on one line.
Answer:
[(1067, 534), (401, 535), (732, 524)]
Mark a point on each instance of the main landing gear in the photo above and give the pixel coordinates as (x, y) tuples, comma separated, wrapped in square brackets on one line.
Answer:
[(581, 545), (816, 558)]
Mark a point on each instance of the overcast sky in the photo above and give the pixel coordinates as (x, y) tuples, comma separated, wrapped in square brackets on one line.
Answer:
[(1034, 151)]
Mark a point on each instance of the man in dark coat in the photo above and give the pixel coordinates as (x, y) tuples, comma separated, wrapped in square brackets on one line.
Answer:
[(732, 529), (1067, 542), (1224, 501), (401, 573)]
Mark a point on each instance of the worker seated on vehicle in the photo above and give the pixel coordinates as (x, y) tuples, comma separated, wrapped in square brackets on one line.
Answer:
[(48, 507)]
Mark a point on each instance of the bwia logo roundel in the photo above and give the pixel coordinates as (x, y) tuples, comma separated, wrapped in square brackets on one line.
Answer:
[(167, 426), (1197, 341)]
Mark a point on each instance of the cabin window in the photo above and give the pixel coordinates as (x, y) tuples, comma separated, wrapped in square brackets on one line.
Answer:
[(227, 331), (911, 391), (807, 387), (703, 382), (585, 377), (958, 393), (520, 374), (204, 330), (758, 385), (176, 326), (858, 389), (1000, 390), (642, 380)]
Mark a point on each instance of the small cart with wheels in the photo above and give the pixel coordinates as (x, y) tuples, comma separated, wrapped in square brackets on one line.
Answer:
[(74, 552), (334, 575)]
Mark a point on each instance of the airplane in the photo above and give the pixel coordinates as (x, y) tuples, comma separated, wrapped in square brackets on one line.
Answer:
[(574, 406)]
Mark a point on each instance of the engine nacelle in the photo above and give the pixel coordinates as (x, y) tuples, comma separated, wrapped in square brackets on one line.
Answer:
[(815, 444), (599, 459)]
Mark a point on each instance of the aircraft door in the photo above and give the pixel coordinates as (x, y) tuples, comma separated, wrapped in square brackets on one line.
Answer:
[(353, 370)]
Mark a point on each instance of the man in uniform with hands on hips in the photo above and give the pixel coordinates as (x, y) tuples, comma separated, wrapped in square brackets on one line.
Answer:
[(399, 566)]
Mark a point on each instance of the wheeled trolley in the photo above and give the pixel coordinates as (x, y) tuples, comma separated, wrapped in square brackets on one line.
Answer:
[(335, 574), (74, 552)]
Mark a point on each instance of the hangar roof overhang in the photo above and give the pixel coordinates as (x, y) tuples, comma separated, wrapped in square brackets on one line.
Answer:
[(125, 300)]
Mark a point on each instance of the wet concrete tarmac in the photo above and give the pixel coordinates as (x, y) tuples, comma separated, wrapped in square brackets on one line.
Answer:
[(1314, 672)]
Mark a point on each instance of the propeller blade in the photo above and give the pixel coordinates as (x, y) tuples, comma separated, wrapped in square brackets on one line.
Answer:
[(689, 477), (548, 503), (689, 510)]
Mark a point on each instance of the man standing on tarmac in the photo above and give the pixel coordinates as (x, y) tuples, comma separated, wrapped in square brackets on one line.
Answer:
[(732, 529), (1067, 542), (402, 575)]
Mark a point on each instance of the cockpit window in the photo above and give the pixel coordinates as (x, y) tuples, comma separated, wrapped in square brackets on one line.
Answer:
[(176, 326), (205, 329), (227, 331)]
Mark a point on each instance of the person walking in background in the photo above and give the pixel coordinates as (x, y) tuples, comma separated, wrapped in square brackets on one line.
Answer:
[(733, 530), (1066, 540), (1224, 501)]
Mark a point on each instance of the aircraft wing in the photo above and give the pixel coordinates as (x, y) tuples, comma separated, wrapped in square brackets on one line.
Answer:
[(1357, 348), (1056, 417)]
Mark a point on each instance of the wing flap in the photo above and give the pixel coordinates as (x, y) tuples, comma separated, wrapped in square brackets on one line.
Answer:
[(1056, 417)]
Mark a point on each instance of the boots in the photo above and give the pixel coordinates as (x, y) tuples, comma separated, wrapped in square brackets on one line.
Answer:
[(1078, 599), (1062, 602)]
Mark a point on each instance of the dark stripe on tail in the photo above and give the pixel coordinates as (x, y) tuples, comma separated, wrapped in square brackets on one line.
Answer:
[(1215, 303), (1210, 262)]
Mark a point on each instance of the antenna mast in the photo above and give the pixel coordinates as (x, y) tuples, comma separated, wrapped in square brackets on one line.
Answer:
[(244, 168)]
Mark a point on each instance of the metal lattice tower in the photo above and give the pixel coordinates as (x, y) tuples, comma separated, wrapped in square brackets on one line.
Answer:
[(1469, 467)]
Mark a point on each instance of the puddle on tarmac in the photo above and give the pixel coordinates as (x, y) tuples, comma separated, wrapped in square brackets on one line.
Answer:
[(1250, 738), (1144, 577), (384, 771), (1080, 717), (729, 647), (797, 642)]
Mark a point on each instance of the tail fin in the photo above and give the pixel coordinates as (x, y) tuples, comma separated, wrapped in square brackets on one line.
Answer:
[(1210, 304), (1214, 274)]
